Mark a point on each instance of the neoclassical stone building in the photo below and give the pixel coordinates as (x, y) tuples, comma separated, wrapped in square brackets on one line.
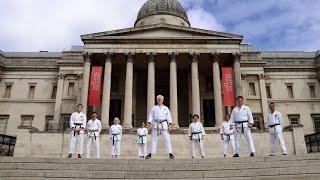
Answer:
[(161, 54)]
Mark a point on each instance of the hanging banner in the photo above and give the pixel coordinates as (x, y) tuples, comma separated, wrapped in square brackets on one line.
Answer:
[(227, 86), (95, 86)]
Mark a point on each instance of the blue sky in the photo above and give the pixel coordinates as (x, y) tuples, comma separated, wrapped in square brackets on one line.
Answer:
[(55, 25)]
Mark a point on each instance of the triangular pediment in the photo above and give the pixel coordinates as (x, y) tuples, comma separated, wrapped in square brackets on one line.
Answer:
[(161, 31)]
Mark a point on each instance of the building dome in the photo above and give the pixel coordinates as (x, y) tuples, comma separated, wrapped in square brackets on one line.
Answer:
[(162, 11)]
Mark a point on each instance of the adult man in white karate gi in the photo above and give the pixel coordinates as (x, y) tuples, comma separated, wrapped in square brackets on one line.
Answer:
[(275, 125), (159, 122), (77, 123), (241, 118), (94, 129)]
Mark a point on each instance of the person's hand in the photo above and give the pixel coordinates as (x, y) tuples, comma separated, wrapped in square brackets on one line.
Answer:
[(231, 127), (250, 125), (169, 127), (222, 137)]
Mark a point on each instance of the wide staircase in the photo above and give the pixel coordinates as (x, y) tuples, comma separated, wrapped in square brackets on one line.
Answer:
[(279, 167)]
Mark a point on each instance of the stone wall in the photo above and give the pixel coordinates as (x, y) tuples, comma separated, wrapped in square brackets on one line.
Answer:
[(49, 145)]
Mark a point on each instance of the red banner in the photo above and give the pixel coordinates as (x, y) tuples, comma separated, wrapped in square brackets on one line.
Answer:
[(227, 86), (95, 86)]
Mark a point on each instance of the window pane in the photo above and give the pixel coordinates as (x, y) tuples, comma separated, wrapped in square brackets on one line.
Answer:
[(252, 89), (256, 121), (31, 92), (290, 91), (65, 121), (268, 92), (54, 92), (317, 124), (294, 119), (3, 124), (312, 92), (7, 93), (26, 120), (71, 89)]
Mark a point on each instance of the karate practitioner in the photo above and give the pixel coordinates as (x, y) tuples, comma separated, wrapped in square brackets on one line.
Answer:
[(78, 122), (275, 124), (115, 137), (227, 135), (241, 118), (142, 133), (94, 129), (196, 134), (159, 122)]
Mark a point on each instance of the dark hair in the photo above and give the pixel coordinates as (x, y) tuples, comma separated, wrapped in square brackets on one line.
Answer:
[(239, 97), (227, 115), (80, 105), (271, 103), (94, 113), (195, 115)]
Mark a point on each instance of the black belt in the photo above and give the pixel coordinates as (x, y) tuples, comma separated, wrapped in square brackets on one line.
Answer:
[(160, 122), (274, 126), (193, 133), (228, 136), (76, 124), (141, 138), (90, 131), (113, 135), (241, 122)]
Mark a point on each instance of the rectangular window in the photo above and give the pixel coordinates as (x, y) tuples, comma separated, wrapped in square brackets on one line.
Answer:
[(3, 124), (252, 89), (71, 89), (26, 120), (7, 93), (256, 121), (54, 92), (290, 91), (312, 91), (65, 121), (316, 120), (294, 119), (49, 123), (268, 91), (31, 91)]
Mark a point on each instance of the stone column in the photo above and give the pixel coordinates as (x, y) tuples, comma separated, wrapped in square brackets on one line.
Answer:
[(237, 74), (264, 101), (195, 84), (151, 82), (85, 81), (127, 123), (173, 90), (58, 100), (217, 90), (106, 90)]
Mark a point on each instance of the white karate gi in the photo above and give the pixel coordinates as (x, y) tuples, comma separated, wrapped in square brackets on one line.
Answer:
[(275, 124), (77, 121), (115, 139), (228, 136), (240, 118), (159, 118), (196, 134), (142, 141), (94, 129)]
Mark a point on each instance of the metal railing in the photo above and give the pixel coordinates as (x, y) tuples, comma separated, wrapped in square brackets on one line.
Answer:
[(313, 142), (7, 144)]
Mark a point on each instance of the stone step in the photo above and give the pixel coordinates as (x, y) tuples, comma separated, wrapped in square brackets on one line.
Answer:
[(281, 167)]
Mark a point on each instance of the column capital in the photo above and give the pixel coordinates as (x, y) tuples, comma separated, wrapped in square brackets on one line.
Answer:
[(61, 75), (108, 56), (151, 56), (129, 56), (87, 56), (236, 56), (261, 76), (194, 56), (173, 56), (215, 56)]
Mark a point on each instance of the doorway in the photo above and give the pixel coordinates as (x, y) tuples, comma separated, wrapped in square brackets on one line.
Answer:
[(208, 113)]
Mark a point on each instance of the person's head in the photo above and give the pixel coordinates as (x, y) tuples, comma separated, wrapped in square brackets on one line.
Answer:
[(79, 107), (240, 101), (142, 124), (94, 115), (160, 99), (195, 118), (272, 106), (226, 117), (116, 120)]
